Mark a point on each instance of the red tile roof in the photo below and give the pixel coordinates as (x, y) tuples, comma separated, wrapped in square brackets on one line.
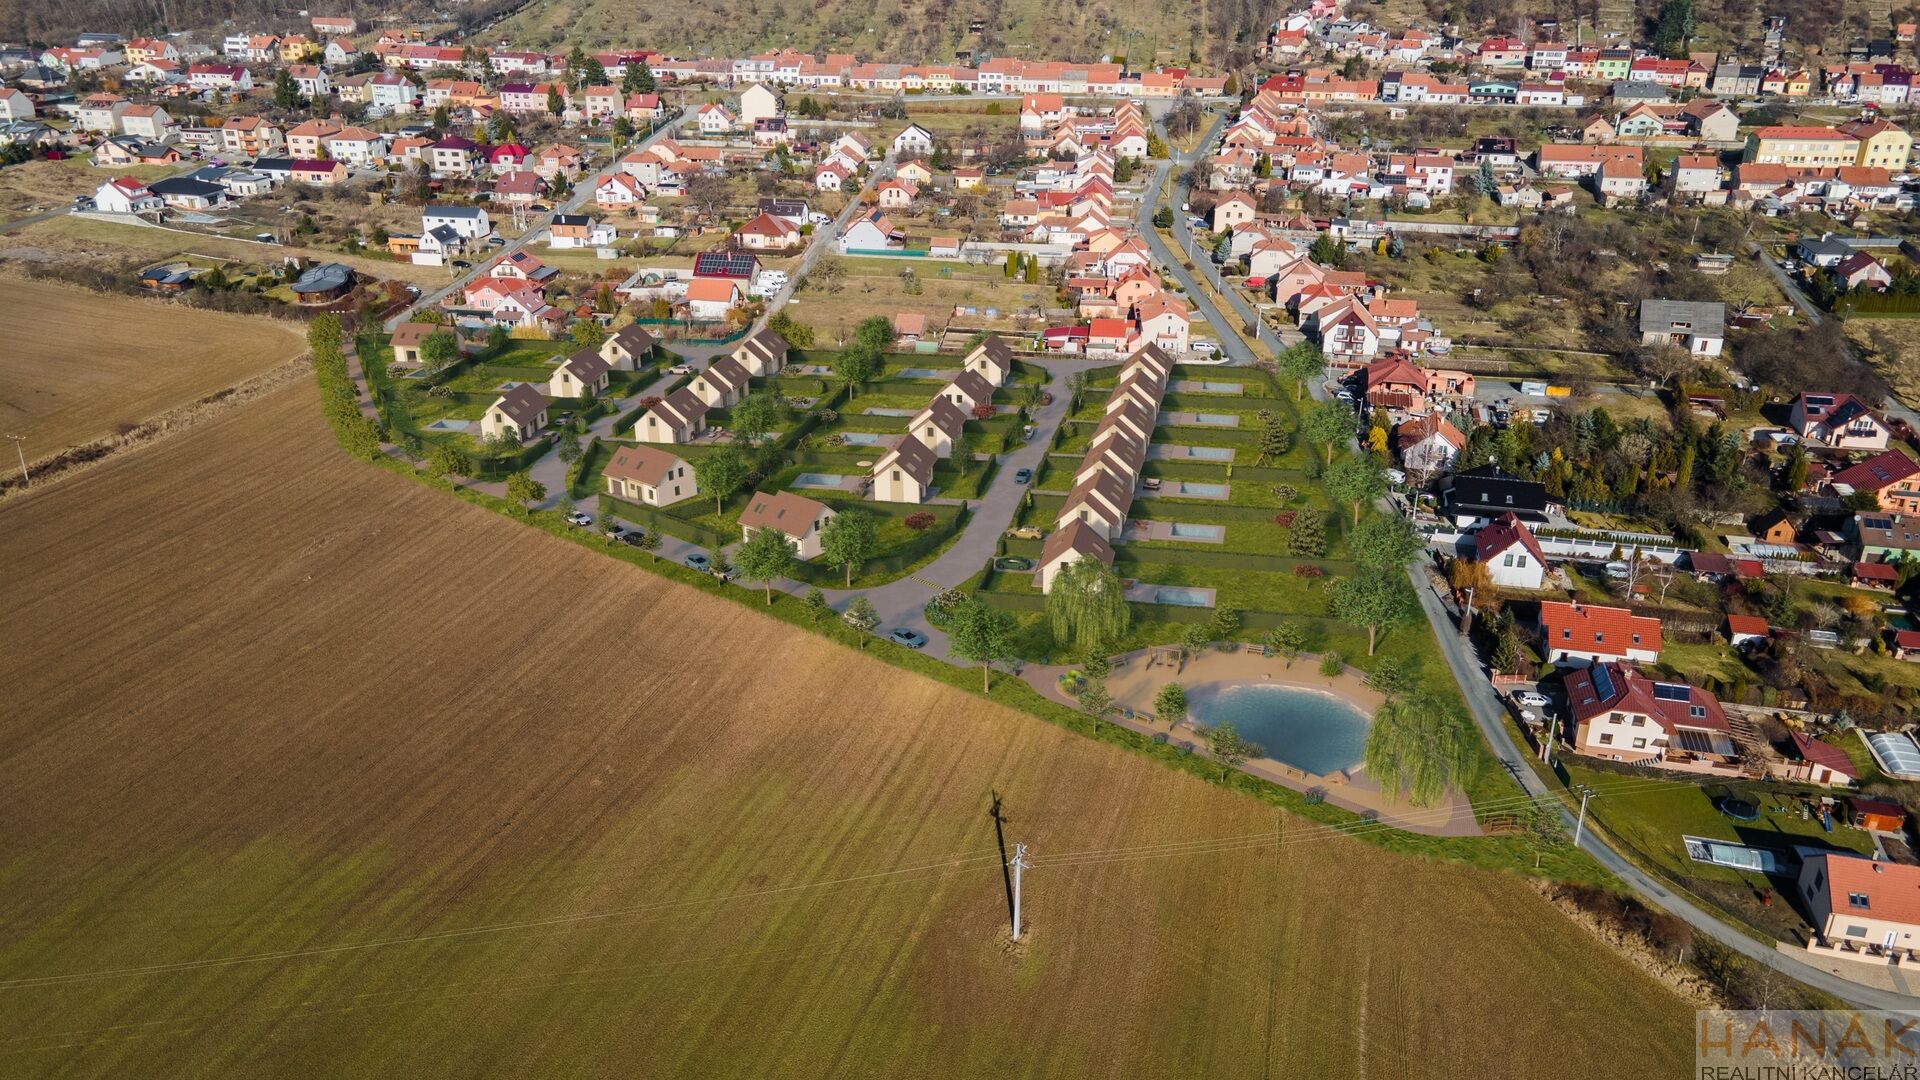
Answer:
[(1877, 473), (1824, 753), (1603, 630), (1504, 532), (1615, 687), (1746, 624), (1892, 890)]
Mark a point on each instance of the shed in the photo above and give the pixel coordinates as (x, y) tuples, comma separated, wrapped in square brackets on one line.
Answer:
[(1878, 815)]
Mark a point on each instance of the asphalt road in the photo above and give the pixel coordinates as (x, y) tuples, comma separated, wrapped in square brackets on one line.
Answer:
[(1894, 406)]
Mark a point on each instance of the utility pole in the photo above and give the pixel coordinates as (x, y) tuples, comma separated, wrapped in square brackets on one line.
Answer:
[(1579, 826), (1546, 744), (1466, 620), (1019, 863), (18, 448)]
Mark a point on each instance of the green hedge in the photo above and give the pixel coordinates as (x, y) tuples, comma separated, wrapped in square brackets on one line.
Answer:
[(654, 518)]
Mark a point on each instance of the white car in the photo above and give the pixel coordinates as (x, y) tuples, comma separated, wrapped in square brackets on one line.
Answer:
[(580, 519), (680, 369), (1205, 347), (1528, 699)]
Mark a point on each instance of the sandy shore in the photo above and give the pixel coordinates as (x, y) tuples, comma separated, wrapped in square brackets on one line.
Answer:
[(1135, 681)]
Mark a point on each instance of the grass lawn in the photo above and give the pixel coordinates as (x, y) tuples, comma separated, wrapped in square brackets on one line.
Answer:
[(1650, 816)]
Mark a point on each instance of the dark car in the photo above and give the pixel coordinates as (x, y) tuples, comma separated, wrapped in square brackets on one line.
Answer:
[(1023, 476), (699, 561), (912, 639), (462, 264)]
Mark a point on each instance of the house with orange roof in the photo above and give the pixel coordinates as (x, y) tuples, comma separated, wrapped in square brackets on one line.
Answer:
[(1862, 909), (1622, 715), (1577, 634)]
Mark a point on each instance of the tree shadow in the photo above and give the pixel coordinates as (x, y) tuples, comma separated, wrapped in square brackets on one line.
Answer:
[(1000, 837)]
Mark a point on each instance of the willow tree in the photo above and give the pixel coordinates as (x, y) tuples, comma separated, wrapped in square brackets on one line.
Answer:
[(1087, 605), (1419, 745)]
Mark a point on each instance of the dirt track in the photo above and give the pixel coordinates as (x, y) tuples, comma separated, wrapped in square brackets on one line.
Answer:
[(314, 771)]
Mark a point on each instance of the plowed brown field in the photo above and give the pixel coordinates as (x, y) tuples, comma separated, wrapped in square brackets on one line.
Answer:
[(75, 364), (312, 771)]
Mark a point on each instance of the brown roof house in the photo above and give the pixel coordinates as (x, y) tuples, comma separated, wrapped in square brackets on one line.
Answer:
[(1100, 501), (723, 384), (407, 339), (939, 426), (801, 519), (628, 348), (584, 374), (969, 391), (649, 476), (1076, 541), (521, 412), (680, 417), (992, 360), (905, 473), (762, 353)]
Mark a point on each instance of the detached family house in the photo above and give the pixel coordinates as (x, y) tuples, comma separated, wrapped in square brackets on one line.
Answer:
[(520, 412), (650, 477), (1698, 327), (1622, 715), (762, 353), (680, 417), (584, 374), (797, 517), (628, 348), (1072, 543), (1838, 422), (939, 426), (1511, 554), (1861, 909), (1574, 635), (905, 473)]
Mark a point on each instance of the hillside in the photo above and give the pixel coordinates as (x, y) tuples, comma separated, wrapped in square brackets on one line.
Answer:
[(314, 771), (914, 31)]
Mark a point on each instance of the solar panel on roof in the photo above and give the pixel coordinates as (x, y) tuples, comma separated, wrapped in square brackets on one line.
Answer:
[(1672, 691), (1602, 681)]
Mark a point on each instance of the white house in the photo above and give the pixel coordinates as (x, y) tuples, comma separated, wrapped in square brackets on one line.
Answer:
[(1071, 543), (757, 103), (649, 476), (915, 141), (762, 353), (520, 412), (468, 222), (1579, 634), (124, 195), (628, 348), (1512, 556), (716, 119), (797, 517), (992, 360), (680, 417), (710, 298), (1699, 327), (968, 391), (905, 473)]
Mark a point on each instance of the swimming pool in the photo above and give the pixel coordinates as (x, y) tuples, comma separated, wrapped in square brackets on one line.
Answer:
[(1896, 752), (893, 412), (1211, 453), (1216, 419), (818, 480), (1187, 487), (859, 438), (1315, 732), (447, 423), (1194, 532), (1183, 597), (927, 373)]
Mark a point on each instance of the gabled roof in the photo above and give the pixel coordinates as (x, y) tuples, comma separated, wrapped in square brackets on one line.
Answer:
[(1610, 686), (1590, 628), (791, 514), (1746, 624), (942, 414), (586, 366), (766, 345), (912, 457), (641, 464), (681, 407), (1421, 428), (1078, 538), (522, 404), (1877, 473), (974, 385), (1504, 532), (1889, 891), (634, 338)]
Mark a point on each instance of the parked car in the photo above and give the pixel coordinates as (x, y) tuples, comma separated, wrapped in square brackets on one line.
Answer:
[(497, 241), (1205, 347), (912, 639), (698, 561), (580, 519), (1023, 476), (634, 537), (615, 532), (1528, 699), (680, 369)]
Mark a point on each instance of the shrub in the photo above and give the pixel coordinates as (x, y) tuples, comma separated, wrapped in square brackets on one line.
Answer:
[(1308, 570), (920, 521), (1332, 664)]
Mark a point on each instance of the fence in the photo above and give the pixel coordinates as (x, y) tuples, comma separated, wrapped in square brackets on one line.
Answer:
[(654, 518)]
